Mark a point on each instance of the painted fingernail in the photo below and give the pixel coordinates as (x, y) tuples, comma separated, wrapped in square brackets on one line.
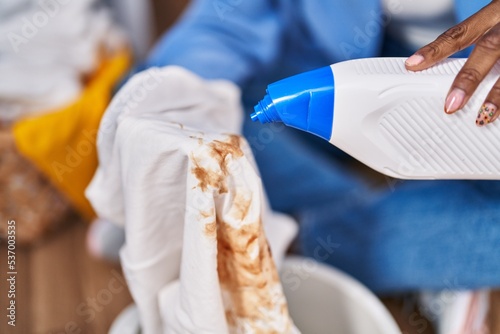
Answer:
[(414, 60), (486, 114), (454, 100)]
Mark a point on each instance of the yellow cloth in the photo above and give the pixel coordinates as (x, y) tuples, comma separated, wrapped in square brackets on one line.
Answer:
[(62, 143)]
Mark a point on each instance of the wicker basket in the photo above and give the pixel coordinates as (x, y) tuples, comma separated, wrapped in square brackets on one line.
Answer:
[(26, 196)]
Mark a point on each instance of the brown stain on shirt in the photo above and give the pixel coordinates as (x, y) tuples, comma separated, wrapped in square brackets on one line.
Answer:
[(247, 279), (199, 139), (209, 213), (211, 229), (207, 177), (244, 261), (241, 205), (219, 150)]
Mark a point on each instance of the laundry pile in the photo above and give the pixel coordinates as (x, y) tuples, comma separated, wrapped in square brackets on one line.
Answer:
[(59, 63), (49, 50), (174, 172)]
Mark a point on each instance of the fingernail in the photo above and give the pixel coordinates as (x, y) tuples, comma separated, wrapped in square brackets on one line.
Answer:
[(454, 100), (414, 60), (486, 114)]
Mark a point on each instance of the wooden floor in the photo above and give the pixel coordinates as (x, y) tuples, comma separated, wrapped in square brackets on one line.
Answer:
[(60, 289)]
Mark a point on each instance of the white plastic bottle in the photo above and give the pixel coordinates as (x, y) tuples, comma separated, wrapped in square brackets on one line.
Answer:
[(389, 118)]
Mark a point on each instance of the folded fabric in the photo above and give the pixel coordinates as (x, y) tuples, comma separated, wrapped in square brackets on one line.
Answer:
[(49, 48), (190, 197), (61, 142)]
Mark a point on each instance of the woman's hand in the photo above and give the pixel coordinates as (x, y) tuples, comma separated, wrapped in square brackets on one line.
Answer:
[(483, 29)]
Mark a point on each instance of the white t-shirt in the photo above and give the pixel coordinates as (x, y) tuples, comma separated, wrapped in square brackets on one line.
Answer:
[(418, 22)]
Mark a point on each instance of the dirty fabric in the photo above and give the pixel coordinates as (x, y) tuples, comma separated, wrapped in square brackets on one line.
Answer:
[(176, 175)]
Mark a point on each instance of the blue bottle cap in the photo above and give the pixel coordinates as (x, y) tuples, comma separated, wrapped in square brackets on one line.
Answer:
[(304, 101)]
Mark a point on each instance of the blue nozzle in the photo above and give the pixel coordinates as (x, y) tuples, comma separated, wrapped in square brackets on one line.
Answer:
[(265, 111), (255, 115), (304, 101)]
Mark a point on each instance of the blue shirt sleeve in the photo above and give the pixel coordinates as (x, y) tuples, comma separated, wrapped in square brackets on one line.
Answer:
[(223, 39)]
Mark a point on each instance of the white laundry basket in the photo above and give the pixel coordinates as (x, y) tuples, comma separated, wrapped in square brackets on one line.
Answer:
[(321, 300)]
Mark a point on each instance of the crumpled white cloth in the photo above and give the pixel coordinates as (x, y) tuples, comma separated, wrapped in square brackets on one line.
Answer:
[(189, 195), (46, 50)]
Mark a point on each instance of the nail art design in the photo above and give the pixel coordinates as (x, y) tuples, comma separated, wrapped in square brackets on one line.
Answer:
[(486, 114)]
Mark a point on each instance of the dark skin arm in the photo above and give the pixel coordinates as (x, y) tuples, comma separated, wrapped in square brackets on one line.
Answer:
[(482, 29)]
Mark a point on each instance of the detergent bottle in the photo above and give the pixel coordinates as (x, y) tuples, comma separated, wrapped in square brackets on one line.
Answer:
[(389, 118)]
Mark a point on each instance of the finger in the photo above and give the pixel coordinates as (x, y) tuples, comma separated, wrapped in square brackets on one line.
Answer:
[(489, 110), (482, 59), (456, 38)]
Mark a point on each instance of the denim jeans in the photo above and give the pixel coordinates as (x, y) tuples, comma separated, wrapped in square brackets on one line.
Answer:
[(398, 237)]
